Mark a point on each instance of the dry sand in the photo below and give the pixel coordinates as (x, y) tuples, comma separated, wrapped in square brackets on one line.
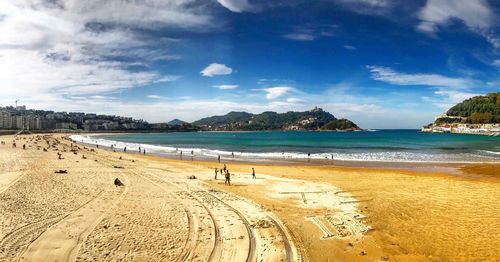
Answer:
[(289, 213)]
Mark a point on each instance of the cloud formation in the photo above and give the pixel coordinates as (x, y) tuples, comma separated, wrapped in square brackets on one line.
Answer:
[(82, 47), (394, 77), (350, 47), (477, 15), (277, 92), (226, 87), (310, 32), (237, 6), (215, 69)]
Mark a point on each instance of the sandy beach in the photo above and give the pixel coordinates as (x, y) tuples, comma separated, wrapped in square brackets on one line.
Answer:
[(291, 212)]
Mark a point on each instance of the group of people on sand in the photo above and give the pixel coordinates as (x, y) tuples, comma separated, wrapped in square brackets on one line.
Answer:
[(227, 174)]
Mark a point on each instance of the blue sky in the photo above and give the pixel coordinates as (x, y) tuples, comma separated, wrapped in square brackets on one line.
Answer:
[(380, 63)]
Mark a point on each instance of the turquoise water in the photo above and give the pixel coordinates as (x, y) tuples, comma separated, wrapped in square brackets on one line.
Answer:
[(382, 145)]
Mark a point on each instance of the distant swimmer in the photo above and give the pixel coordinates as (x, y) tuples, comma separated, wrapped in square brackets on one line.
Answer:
[(253, 173)]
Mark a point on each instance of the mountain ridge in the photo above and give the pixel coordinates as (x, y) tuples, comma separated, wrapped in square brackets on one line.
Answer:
[(315, 119)]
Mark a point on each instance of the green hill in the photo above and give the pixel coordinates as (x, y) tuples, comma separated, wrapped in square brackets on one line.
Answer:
[(315, 119), (479, 109), (176, 122)]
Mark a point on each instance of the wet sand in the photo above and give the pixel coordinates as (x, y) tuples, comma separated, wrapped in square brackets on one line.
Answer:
[(289, 213)]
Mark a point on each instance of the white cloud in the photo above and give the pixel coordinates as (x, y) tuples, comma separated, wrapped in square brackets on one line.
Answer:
[(448, 98), (216, 69), (454, 96), (237, 6), (67, 46), (155, 96), (391, 76), (496, 62), (376, 7), (372, 3), (226, 87), (295, 100), (277, 92), (477, 15), (310, 32), (300, 36), (350, 47)]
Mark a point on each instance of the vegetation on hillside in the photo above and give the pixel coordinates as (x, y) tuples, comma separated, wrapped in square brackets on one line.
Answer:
[(315, 119), (476, 110)]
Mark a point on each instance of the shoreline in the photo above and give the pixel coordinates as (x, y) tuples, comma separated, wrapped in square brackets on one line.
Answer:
[(324, 212), (425, 166)]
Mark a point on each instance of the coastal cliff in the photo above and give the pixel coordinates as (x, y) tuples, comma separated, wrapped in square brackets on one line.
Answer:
[(476, 115)]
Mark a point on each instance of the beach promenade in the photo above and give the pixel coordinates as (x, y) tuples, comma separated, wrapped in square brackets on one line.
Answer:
[(58, 202)]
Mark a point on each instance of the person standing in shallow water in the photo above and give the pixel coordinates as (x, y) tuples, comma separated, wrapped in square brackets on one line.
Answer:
[(253, 173), (228, 178)]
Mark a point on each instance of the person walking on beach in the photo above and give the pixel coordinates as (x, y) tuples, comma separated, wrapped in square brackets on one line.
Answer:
[(125, 149), (232, 154), (144, 151), (228, 178), (253, 173), (218, 158), (216, 171), (225, 168)]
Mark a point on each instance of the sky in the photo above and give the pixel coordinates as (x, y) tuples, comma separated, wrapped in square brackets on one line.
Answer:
[(379, 63)]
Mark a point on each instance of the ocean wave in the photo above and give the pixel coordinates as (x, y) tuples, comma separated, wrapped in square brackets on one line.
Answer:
[(489, 152), (378, 156)]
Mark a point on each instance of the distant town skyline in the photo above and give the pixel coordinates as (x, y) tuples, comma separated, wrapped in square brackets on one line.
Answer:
[(379, 63)]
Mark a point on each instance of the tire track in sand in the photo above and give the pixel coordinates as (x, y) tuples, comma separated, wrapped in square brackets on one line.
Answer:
[(236, 233), (62, 241), (190, 250), (251, 215)]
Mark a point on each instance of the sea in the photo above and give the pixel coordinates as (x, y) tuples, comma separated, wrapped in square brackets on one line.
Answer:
[(369, 145)]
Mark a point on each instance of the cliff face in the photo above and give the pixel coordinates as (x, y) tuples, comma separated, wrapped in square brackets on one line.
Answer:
[(315, 119)]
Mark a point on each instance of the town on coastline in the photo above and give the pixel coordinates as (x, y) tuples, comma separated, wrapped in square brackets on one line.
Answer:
[(20, 118), (462, 128), (478, 115)]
